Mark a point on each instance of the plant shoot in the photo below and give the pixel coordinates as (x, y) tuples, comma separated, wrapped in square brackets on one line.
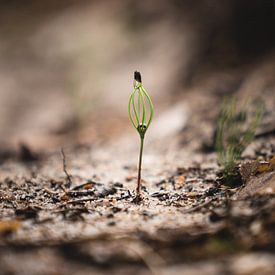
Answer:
[(141, 111)]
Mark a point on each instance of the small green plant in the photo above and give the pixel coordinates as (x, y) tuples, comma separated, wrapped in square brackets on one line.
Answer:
[(235, 131), (139, 105)]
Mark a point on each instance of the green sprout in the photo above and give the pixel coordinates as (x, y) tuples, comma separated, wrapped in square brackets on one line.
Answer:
[(235, 131), (139, 105)]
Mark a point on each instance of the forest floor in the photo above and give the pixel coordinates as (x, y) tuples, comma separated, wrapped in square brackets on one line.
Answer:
[(57, 91), (186, 223)]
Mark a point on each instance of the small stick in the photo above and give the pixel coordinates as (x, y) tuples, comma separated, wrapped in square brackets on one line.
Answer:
[(84, 185), (69, 180), (80, 200), (80, 193), (50, 191), (198, 206)]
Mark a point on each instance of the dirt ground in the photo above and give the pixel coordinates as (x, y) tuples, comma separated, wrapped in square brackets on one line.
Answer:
[(187, 222), (61, 92)]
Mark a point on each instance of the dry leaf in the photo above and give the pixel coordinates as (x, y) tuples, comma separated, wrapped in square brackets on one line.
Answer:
[(192, 194), (262, 184), (255, 167), (65, 197), (179, 181), (249, 169), (263, 167), (7, 227), (272, 163), (88, 186)]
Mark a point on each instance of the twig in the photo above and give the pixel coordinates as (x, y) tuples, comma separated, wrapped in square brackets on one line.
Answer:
[(84, 185), (80, 200), (51, 191), (24, 242), (69, 180), (199, 206), (266, 133), (80, 193)]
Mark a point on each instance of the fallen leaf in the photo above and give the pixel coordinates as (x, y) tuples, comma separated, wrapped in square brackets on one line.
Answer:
[(252, 168), (7, 227), (263, 167), (262, 184), (180, 181), (88, 186), (272, 163), (249, 169), (65, 197)]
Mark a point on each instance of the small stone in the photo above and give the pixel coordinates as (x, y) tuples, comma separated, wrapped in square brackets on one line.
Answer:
[(110, 215)]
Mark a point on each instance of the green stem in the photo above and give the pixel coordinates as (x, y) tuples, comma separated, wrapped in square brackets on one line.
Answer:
[(139, 167)]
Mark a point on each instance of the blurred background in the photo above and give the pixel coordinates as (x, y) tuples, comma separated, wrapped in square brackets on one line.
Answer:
[(66, 67)]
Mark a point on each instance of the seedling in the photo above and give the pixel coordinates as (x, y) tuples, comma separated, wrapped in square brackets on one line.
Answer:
[(235, 131), (139, 105)]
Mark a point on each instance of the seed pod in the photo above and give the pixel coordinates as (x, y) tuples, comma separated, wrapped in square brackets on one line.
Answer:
[(140, 107)]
